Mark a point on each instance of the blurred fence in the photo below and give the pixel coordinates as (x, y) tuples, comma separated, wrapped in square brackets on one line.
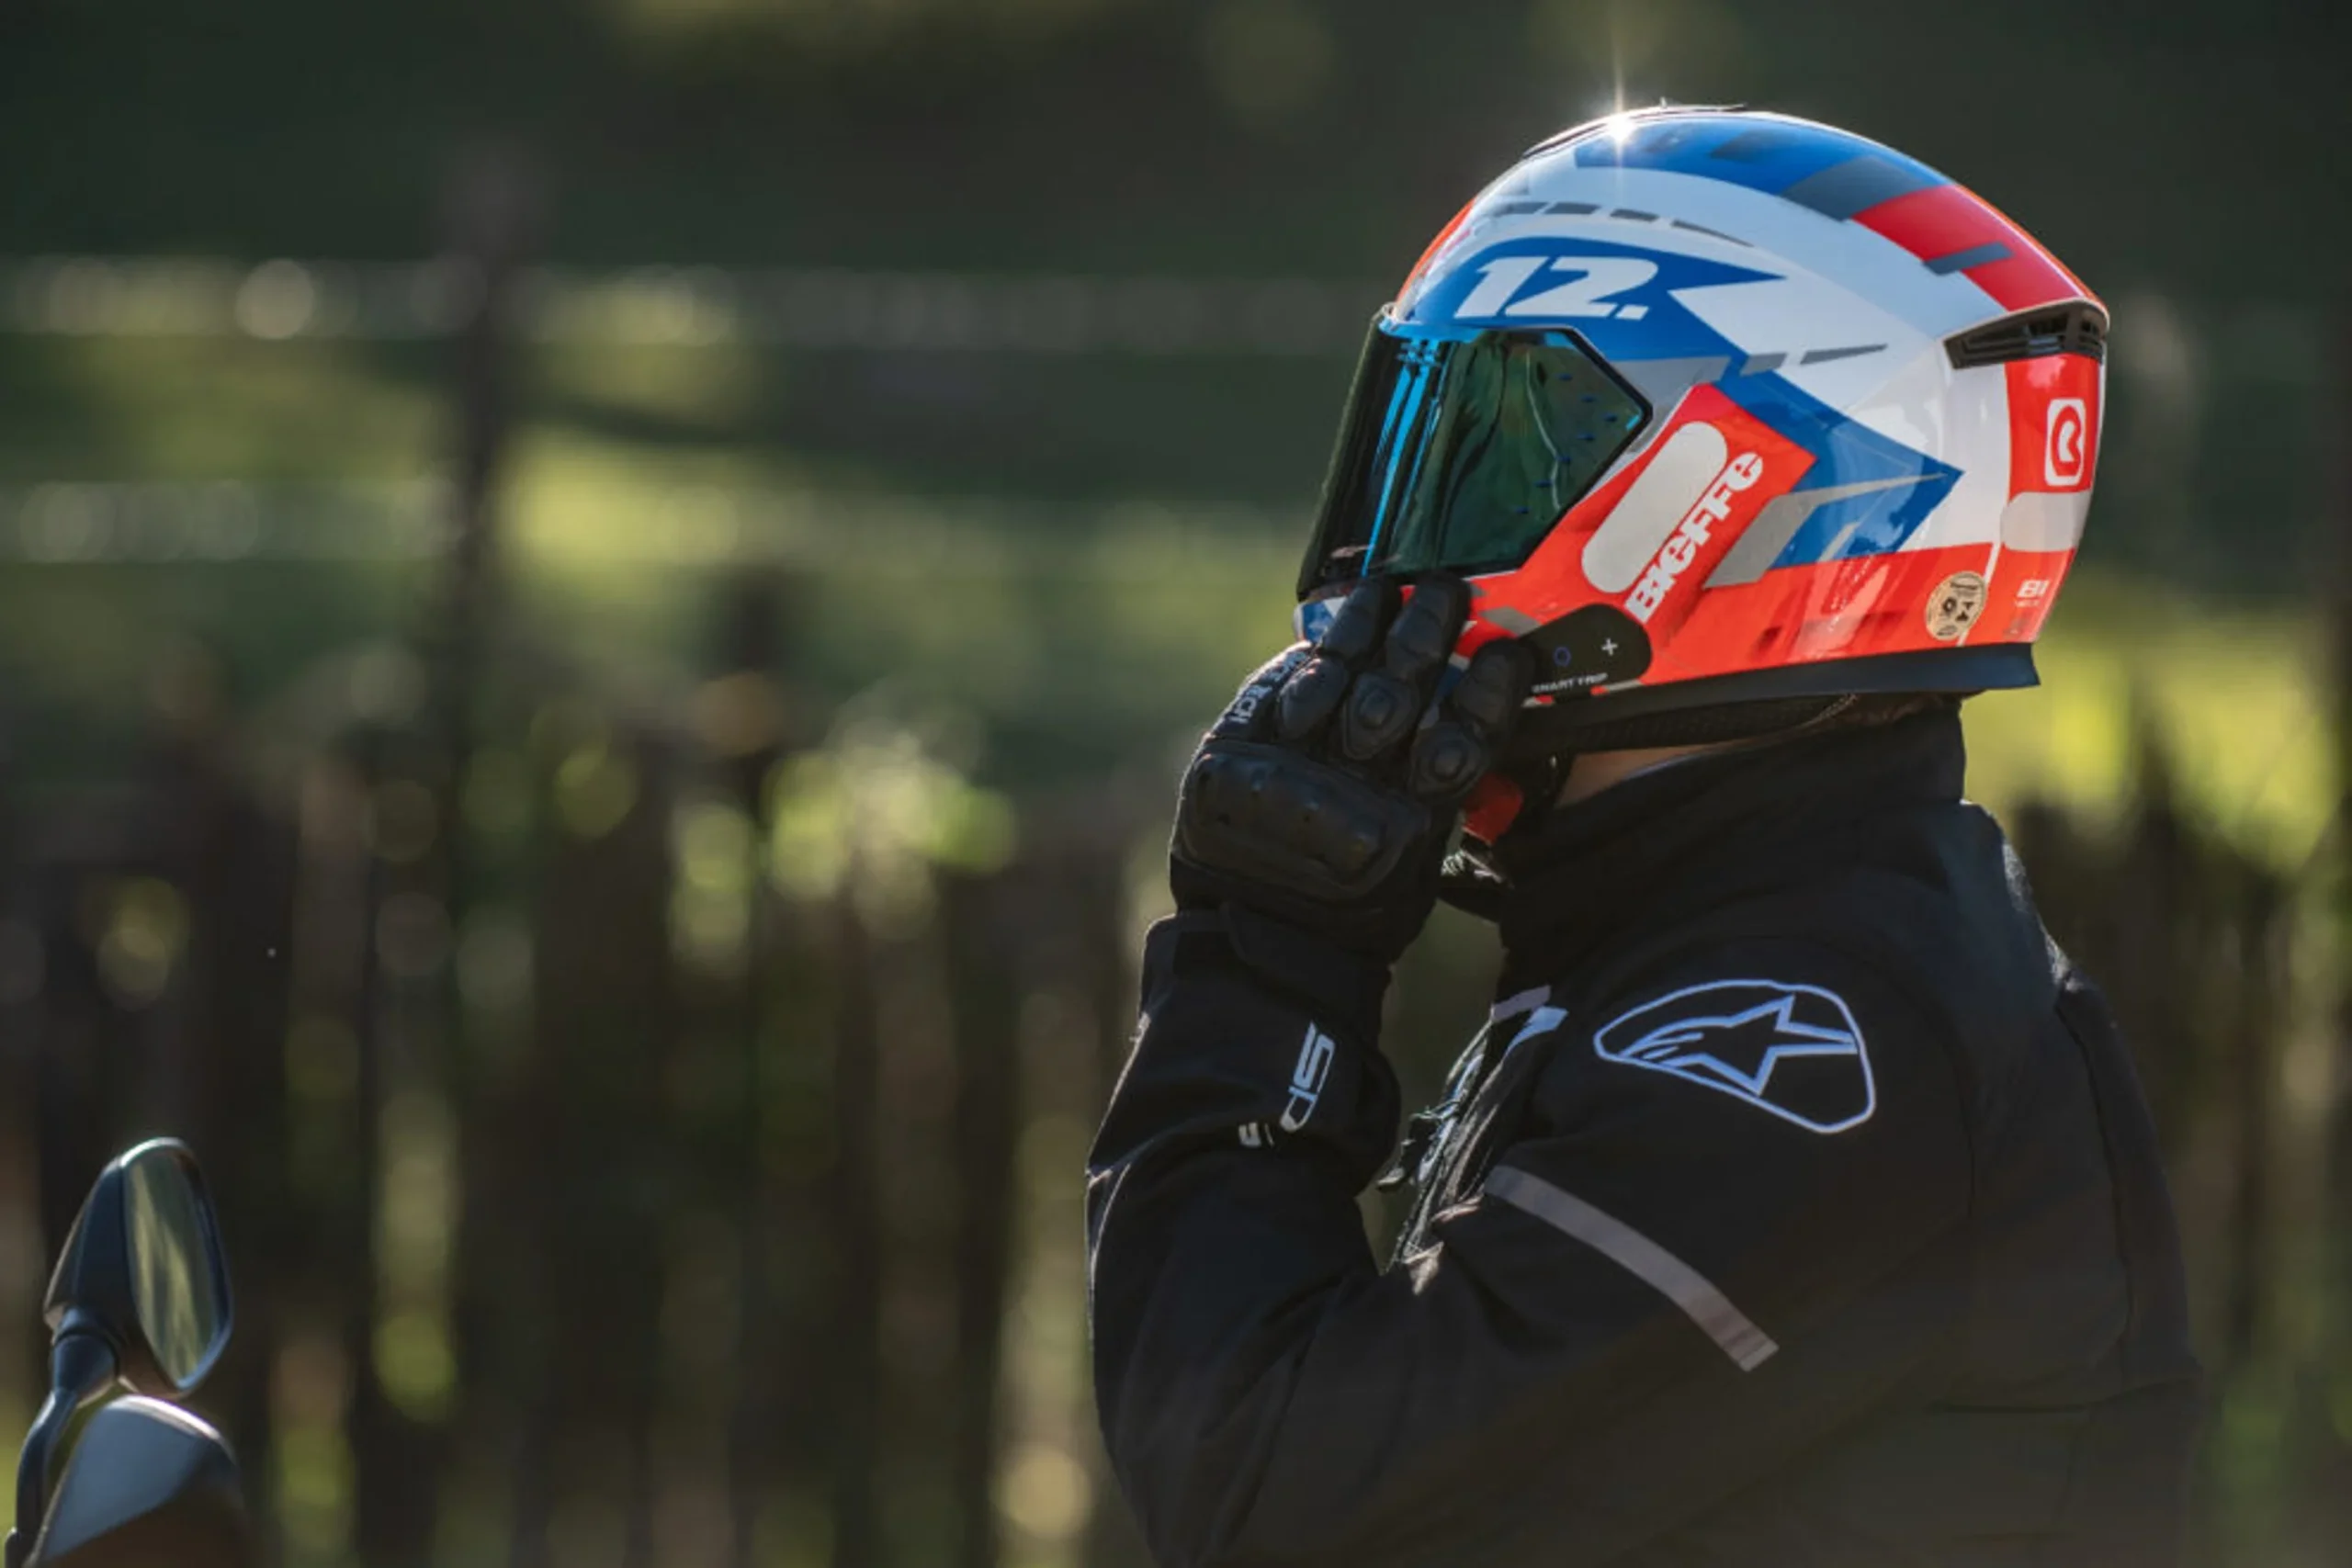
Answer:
[(648, 1132), (696, 1185)]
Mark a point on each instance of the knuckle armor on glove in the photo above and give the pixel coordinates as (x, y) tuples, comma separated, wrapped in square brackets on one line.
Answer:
[(1328, 792)]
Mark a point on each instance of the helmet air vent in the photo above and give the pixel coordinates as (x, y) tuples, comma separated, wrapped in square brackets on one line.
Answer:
[(2076, 328)]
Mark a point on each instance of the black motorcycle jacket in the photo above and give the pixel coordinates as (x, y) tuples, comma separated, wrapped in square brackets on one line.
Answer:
[(1798, 1205)]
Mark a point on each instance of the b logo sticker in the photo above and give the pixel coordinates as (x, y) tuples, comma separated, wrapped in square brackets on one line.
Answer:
[(2066, 447)]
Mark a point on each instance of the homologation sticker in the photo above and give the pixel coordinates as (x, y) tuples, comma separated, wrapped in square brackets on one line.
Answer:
[(1953, 607)]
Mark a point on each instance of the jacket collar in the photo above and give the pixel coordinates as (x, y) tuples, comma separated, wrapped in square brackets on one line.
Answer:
[(1673, 841)]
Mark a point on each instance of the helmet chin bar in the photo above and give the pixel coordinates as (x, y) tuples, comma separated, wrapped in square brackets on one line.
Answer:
[(1756, 703), (1717, 725)]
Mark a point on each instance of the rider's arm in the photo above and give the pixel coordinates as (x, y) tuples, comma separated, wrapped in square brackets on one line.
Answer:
[(1665, 1288)]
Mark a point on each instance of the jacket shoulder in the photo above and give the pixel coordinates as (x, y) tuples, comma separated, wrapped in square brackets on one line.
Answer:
[(1921, 942), (1757, 1027)]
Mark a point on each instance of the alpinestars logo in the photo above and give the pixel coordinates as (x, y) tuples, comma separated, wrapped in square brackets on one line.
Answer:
[(1793, 1051)]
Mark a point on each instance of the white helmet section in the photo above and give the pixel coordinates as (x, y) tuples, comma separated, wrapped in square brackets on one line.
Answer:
[(1840, 312)]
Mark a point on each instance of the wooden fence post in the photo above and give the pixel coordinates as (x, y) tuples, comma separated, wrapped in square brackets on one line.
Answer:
[(853, 1410), (2261, 985), (984, 928)]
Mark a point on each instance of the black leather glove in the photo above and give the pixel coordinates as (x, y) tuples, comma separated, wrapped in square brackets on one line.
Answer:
[(1326, 794)]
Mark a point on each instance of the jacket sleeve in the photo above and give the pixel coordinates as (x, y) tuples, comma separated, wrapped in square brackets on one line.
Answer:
[(1723, 1226)]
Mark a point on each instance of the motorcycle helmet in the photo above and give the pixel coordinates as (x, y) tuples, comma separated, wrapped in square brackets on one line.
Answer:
[(1731, 416)]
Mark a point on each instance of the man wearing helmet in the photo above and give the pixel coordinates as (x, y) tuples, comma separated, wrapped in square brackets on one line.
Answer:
[(1798, 1204)]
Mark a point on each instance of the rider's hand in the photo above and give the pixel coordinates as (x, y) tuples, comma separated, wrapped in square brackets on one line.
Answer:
[(1327, 792)]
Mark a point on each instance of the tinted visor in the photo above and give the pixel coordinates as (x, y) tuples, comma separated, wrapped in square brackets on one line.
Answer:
[(1459, 452)]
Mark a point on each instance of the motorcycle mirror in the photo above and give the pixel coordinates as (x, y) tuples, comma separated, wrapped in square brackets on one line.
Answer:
[(145, 1267), (141, 1297), (148, 1485)]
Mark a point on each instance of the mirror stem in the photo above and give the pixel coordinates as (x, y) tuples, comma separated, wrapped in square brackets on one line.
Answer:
[(81, 1363)]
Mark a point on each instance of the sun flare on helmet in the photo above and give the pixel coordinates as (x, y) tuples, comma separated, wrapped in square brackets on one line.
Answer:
[(1722, 407)]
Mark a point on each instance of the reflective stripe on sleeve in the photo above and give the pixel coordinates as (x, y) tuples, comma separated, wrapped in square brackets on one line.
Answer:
[(1519, 1002), (1747, 1346)]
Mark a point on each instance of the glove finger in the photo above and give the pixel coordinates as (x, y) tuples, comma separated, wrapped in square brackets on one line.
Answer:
[(1493, 690), (1424, 633), (1356, 629), (1385, 705), (1251, 712), (1452, 754), (1381, 710), (1308, 699), (1314, 692)]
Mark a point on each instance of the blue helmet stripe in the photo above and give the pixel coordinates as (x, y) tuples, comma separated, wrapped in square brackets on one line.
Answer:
[(1898, 486), (1833, 172)]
